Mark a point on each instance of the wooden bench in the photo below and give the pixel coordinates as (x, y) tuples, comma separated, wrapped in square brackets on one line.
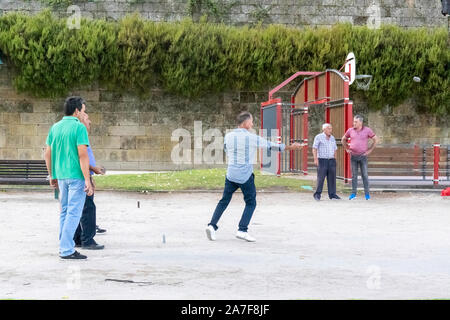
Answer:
[(24, 172)]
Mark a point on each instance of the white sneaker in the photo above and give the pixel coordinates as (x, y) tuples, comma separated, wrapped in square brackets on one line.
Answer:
[(211, 233), (245, 236)]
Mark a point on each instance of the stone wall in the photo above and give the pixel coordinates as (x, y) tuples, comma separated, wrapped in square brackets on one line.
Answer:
[(405, 13), (126, 132), (132, 134)]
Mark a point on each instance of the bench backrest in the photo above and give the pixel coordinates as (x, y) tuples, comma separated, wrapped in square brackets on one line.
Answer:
[(23, 169)]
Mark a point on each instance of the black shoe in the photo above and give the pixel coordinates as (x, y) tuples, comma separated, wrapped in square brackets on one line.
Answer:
[(94, 246), (99, 230), (335, 197), (77, 245), (74, 256), (316, 196)]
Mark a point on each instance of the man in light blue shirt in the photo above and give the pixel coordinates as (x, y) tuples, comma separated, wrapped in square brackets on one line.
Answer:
[(241, 147)]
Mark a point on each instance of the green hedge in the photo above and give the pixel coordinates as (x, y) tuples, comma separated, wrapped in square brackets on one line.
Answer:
[(193, 59)]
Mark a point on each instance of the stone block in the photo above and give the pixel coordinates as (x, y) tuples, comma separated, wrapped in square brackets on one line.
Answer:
[(163, 130), (95, 141), (13, 141), (99, 154), (96, 118), (101, 130), (146, 118), (126, 131), (149, 143), (129, 165), (42, 129), (113, 155), (24, 106), (138, 155), (11, 118), (23, 130), (128, 119), (112, 142), (30, 154), (42, 106), (8, 153), (110, 118), (37, 118), (128, 142)]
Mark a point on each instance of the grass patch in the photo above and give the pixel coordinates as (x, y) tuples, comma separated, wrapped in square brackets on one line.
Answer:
[(204, 179)]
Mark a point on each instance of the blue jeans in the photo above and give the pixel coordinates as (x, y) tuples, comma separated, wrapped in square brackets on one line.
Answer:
[(72, 203), (326, 169), (249, 190), (361, 162)]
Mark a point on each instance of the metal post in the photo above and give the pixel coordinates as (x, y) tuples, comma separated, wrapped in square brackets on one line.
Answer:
[(261, 133), (424, 162), (279, 115), (437, 151), (305, 140), (416, 157), (448, 165), (291, 133)]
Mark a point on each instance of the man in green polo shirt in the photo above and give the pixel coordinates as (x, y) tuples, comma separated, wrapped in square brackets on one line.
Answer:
[(67, 162)]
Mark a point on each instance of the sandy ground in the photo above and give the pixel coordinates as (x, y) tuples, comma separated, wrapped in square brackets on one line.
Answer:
[(393, 247)]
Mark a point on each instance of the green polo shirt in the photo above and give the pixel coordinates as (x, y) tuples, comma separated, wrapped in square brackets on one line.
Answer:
[(64, 138)]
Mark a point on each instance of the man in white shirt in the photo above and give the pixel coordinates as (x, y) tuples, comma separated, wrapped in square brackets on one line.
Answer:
[(324, 151)]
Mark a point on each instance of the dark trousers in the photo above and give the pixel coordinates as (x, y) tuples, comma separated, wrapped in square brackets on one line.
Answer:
[(361, 162), (249, 190), (86, 230), (326, 169)]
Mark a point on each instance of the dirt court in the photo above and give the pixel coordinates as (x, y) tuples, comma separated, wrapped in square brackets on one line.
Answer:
[(395, 246)]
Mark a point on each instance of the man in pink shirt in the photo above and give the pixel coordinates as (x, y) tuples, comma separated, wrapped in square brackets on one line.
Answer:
[(359, 149)]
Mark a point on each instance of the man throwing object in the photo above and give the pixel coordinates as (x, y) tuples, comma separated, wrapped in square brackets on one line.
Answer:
[(240, 147)]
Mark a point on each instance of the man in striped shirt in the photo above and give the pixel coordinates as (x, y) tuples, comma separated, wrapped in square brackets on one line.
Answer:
[(324, 151)]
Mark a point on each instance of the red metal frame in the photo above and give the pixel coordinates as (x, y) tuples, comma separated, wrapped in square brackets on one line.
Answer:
[(285, 82), (348, 110), (348, 114)]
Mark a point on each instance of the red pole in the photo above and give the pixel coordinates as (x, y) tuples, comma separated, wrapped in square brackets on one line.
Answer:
[(261, 133), (348, 114), (437, 151), (291, 133), (416, 156)]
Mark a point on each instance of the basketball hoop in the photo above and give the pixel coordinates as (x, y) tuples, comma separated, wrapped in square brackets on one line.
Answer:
[(363, 81)]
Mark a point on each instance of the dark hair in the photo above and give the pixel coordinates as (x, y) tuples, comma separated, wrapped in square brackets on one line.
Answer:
[(360, 118), (242, 117), (71, 104)]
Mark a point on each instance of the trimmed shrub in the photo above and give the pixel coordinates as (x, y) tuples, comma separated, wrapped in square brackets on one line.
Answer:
[(193, 59)]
